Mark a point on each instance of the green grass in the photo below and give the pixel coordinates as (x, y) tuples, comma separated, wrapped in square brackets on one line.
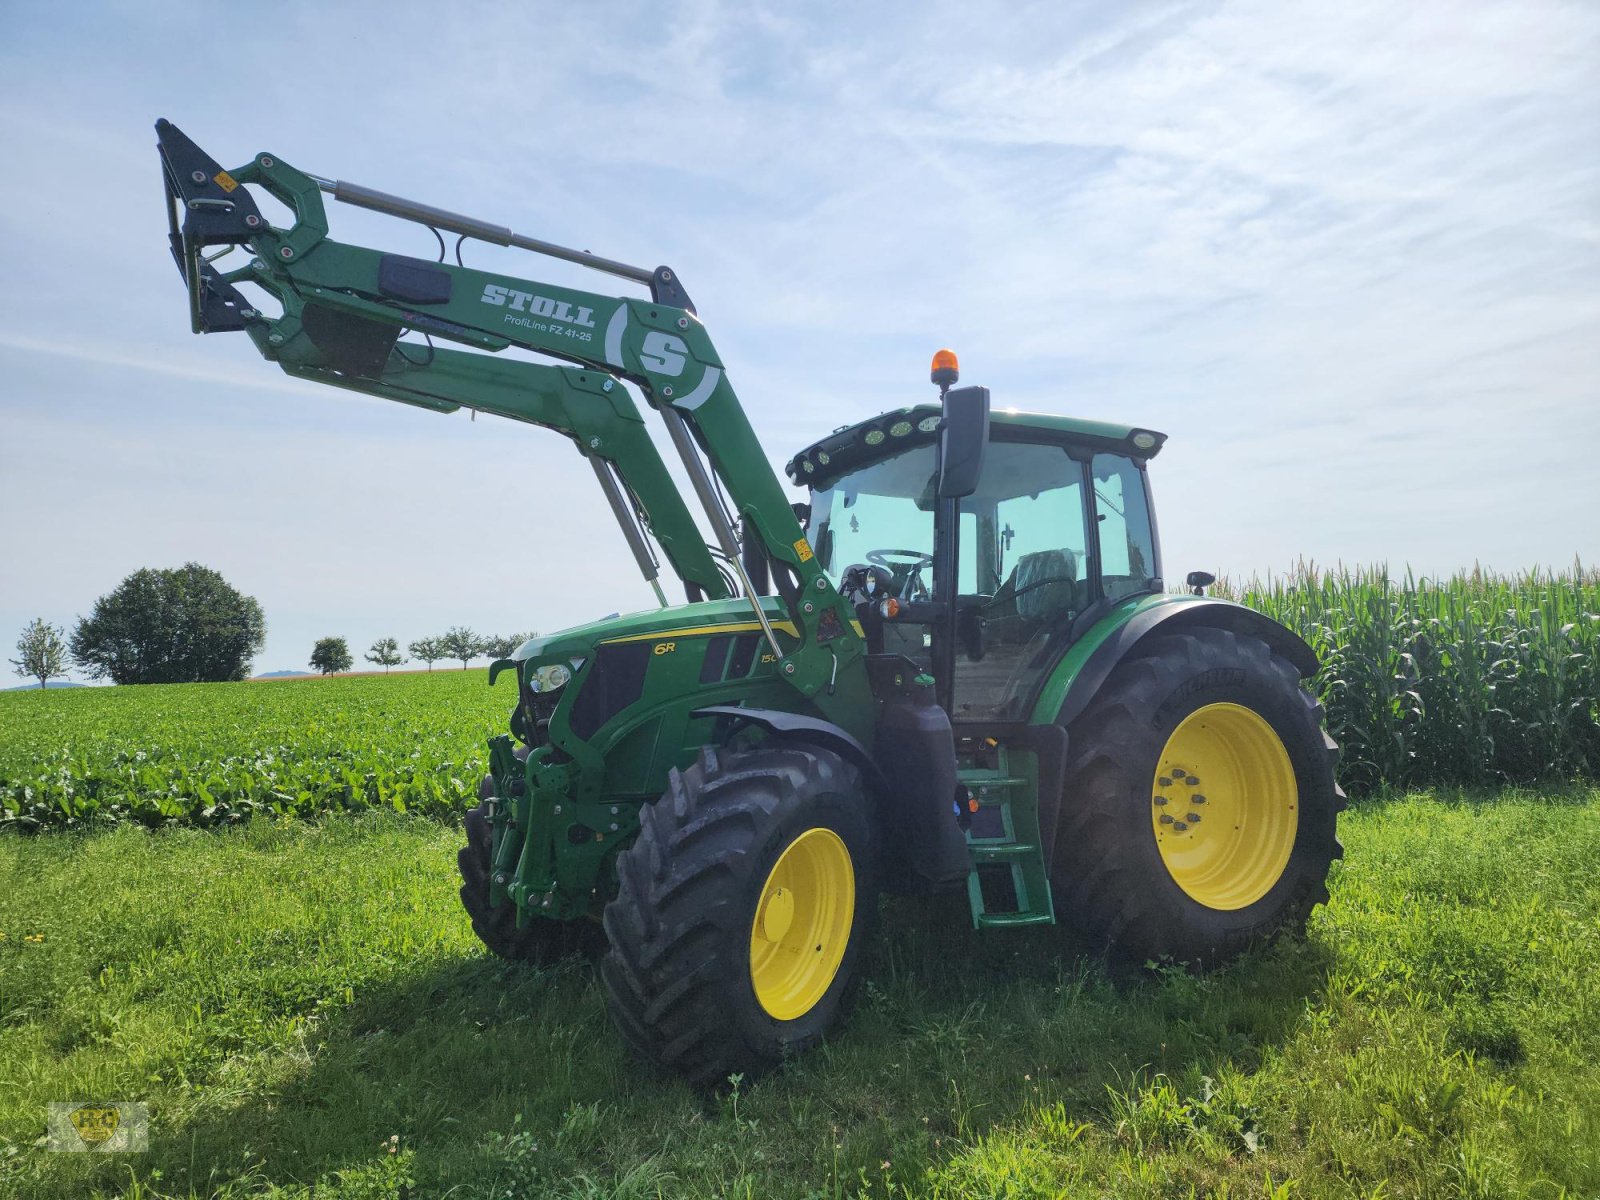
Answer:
[(289, 996)]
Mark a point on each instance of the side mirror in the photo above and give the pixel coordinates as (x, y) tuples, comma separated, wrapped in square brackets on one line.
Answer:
[(1199, 581), (964, 440)]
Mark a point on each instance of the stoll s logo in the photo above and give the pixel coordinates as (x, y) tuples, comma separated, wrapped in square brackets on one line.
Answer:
[(539, 306)]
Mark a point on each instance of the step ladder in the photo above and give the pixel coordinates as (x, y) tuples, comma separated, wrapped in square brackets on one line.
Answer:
[(1009, 885)]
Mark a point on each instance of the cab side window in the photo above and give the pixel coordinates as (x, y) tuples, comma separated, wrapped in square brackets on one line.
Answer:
[(1126, 540)]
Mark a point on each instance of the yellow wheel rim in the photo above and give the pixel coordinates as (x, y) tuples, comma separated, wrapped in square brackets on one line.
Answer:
[(1224, 806), (802, 924)]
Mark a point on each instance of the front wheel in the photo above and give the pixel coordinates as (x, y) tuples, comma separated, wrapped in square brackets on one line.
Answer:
[(1200, 804), (742, 911)]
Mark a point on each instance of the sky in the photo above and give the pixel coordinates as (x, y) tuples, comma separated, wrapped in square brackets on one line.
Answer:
[(1346, 256)]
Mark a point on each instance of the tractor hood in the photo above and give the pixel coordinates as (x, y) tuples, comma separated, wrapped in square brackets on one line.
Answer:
[(722, 616)]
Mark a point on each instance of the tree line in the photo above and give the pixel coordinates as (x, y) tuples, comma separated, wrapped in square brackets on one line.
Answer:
[(332, 654), (189, 625), (184, 625)]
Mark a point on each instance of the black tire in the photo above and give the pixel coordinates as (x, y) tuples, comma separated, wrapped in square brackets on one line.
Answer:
[(678, 972), (1109, 877), (541, 941)]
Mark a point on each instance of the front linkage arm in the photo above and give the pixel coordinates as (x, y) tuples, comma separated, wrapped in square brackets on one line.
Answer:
[(350, 304)]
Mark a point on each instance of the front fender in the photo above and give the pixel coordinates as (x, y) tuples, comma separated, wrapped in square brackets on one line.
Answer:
[(1086, 667), (800, 728)]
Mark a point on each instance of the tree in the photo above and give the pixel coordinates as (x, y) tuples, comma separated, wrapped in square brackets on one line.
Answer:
[(43, 652), (426, 650), (187, 625), (331, 654), (386, 653), (461, 643), (503, 647)]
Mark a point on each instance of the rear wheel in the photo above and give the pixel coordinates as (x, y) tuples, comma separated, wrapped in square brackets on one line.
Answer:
[(742, 911), (1200, 803), (496, 927)]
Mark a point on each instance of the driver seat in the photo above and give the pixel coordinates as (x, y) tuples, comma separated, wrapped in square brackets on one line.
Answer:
[(1045, 583)]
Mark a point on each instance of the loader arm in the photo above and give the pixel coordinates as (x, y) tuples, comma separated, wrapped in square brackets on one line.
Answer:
[(345, 306)]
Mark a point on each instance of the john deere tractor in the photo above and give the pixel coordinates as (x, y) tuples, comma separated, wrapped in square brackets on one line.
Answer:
[(957, 666)]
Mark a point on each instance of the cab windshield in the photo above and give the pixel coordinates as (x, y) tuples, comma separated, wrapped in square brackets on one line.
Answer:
[(1026, 556), (885, 506)]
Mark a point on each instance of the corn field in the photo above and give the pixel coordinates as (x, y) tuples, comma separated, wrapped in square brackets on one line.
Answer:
[(1478, 678)]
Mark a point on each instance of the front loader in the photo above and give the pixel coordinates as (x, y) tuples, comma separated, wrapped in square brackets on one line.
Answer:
[(957, 667)]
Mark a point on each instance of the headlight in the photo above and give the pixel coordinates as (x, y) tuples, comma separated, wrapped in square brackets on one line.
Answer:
[(550, 678)]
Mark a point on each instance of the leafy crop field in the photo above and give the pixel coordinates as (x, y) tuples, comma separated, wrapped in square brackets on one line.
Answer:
[(304, 1008), (213, 753), (1477, 680)]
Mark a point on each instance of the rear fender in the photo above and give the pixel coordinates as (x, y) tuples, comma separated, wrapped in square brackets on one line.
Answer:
[(1174, 614)]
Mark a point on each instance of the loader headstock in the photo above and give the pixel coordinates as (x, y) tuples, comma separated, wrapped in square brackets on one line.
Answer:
[(206, 206)]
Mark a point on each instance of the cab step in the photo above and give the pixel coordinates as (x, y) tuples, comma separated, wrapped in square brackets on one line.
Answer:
[(1012, 920), (1009, 885)]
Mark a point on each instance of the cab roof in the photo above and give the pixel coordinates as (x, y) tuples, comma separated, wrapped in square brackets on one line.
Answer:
[(852, 446)]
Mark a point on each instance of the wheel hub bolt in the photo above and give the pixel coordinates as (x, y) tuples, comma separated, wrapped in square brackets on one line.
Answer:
[(1164, 781), (1180, 827), (1197, 798), (1192, 818), (1161, 799), (1166, 818)]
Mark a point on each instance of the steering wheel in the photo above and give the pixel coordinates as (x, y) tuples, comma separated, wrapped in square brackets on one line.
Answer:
[(907, 567), (914, 559)]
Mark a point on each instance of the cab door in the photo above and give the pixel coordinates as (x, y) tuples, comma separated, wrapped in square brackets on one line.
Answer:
[(1051, 532), (1024, 574)]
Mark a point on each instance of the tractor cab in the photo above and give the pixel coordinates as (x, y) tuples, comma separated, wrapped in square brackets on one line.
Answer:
[(986, 591)]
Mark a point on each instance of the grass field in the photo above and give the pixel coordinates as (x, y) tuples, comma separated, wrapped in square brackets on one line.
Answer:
[(303, 1004)]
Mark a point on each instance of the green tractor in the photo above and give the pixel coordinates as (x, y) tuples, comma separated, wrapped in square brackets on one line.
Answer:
[(956, 667)]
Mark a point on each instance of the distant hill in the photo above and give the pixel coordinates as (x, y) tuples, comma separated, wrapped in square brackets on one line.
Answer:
[(281, 675), (54, 683)]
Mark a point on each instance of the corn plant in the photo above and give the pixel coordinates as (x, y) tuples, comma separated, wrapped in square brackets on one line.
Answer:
[(1473, 679)]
